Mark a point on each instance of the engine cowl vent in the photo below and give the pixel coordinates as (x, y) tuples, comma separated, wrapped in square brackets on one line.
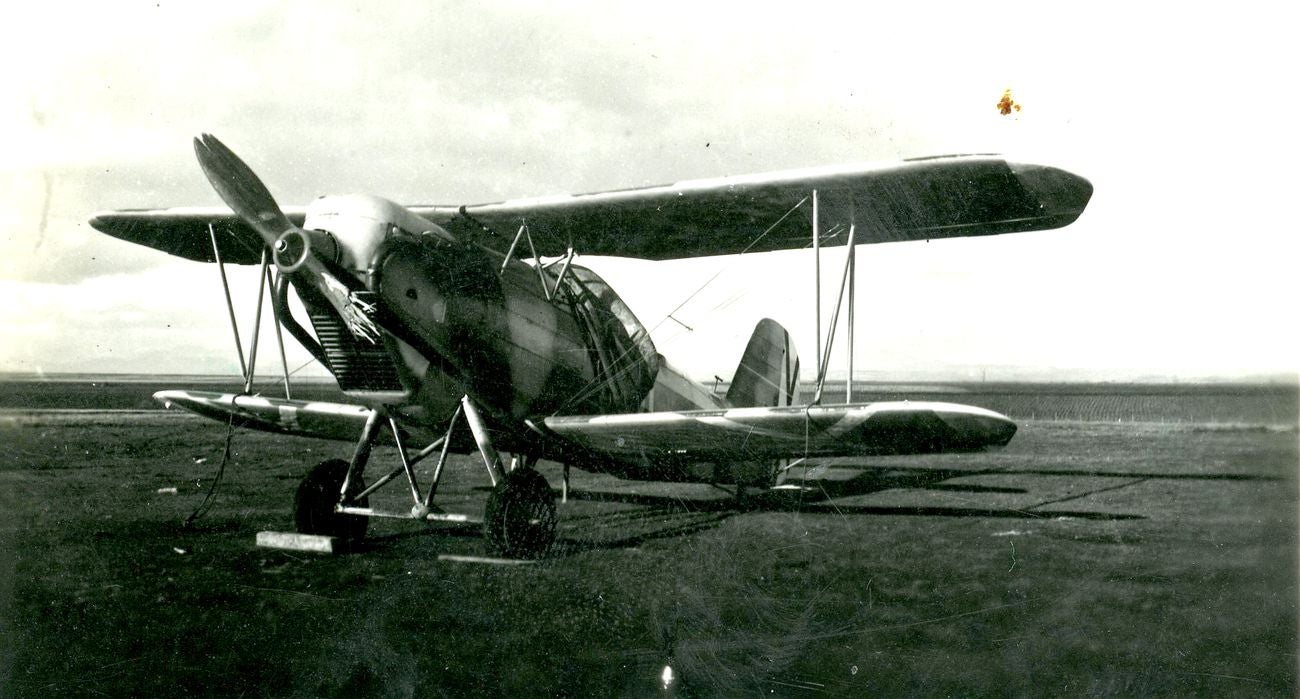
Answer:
[(357, 365)]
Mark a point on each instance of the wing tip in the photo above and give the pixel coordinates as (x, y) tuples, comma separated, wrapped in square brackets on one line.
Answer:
[(101, 221), (1060, 193)]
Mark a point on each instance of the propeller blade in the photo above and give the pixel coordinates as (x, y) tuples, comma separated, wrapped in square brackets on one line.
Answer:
[(244, 192), (241, 189)]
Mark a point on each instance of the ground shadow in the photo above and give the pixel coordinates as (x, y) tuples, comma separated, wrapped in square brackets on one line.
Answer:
[(806, 494), (812, 491), (1083, 473)]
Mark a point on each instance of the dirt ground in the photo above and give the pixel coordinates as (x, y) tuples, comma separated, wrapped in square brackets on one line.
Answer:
[(1086, 559)]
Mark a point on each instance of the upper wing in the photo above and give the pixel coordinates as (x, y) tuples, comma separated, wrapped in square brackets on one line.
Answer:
[(910, 200), (741, 434), (183, 231)]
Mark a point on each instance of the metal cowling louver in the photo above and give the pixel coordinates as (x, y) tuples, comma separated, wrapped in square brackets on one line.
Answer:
[(357, 365)]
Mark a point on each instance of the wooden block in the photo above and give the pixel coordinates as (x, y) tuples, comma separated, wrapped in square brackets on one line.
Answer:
[(294, 541)]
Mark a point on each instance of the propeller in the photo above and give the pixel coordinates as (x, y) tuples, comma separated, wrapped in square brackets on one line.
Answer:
[(238, 186), (310, 257), (294, 249)]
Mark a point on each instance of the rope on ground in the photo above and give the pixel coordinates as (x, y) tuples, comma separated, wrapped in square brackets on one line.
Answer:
[(206, 505)]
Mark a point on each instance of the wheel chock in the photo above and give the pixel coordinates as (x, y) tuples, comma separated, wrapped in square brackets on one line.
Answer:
[(293, 541)]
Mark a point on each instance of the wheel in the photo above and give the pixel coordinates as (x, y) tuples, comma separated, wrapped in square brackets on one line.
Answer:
[(520, 518), (318, 493)]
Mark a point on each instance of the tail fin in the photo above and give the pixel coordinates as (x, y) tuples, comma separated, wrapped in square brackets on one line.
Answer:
[(768, 374)]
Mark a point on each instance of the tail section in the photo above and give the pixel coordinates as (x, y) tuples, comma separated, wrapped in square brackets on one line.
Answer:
[(768, 374)]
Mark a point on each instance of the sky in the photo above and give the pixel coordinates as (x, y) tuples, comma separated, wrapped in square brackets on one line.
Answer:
[(1183, 119)]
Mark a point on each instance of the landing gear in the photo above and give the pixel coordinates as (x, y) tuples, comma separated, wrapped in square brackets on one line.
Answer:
[(318, 493), (520, 518)]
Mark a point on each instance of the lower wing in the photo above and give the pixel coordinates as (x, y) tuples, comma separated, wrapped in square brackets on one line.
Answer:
[(789, 432), (736, 434), (303, 418)]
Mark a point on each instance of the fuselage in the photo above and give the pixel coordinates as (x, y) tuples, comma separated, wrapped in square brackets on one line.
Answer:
[(525, 340)]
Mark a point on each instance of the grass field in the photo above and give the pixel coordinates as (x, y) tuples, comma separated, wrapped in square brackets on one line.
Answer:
[(1086, 559)]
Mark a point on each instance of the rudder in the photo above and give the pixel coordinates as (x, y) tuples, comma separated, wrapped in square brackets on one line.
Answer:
[(768, 374)]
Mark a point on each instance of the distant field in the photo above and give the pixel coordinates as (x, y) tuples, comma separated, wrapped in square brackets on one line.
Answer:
[(135, 392), (1233, 404)]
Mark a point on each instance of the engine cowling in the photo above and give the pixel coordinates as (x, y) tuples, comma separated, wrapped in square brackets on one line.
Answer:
[(343, 233), (356, 225)]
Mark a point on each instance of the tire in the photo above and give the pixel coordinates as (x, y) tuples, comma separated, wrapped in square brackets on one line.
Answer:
[(313, 505), (520, 518)]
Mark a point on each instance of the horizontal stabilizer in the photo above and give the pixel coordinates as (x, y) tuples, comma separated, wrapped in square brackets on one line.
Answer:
[(303, 418), (742, 434)]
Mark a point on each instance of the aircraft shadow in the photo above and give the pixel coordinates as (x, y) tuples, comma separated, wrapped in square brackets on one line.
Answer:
[(1132, 474), (1093, 473), (461, 530), (816, 493), (665, 516), (813, 503), (670, 525), (813, 490)]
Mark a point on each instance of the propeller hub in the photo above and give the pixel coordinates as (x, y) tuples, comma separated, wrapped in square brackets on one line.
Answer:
[(291, 250)]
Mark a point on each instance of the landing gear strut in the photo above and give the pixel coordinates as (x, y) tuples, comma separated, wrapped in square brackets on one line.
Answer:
[(519, 520)]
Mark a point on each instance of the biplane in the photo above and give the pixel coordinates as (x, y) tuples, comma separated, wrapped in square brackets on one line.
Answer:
[(462, 329)]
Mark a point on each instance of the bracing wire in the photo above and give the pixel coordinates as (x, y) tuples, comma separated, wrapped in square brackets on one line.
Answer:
[(717, 274), (278, 380)]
